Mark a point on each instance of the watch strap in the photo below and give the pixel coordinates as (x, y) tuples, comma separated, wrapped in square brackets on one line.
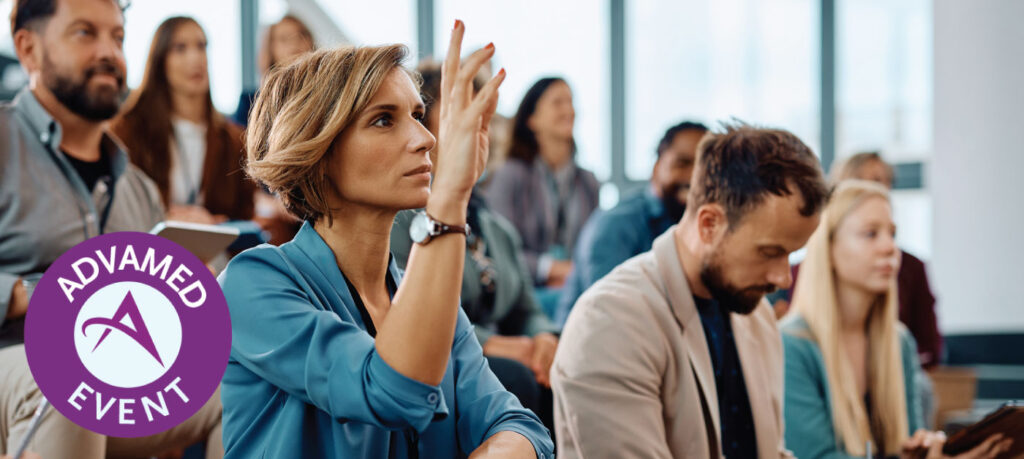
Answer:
[(439, 229)]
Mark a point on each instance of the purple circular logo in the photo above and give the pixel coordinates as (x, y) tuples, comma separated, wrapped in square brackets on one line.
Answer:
[(128, 334)]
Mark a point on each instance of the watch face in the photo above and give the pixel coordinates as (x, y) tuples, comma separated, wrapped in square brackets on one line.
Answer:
[(419, 228)]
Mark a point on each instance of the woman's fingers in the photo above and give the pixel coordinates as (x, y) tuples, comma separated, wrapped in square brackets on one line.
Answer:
[(450, 68), (457, 75), (934, 449), (488, 96), (462, 89), (987, 448), (1003, 447), (486, 101), (916, 441)]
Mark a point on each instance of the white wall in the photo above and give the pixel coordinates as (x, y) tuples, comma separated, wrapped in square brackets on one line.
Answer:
[(976, 176)]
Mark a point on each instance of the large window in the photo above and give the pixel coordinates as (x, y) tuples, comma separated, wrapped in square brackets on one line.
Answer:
[(12, 78), (884, 97), (714, 60), (538, 38), (6, 44), (703, 60), (374, 23), (884, 78)]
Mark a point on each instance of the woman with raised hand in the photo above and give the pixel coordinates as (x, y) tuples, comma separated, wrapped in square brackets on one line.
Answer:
[(517, 337), (334, 352), (849, 362)]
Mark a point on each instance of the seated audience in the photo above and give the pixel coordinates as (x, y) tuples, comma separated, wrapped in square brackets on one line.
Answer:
[(497, 293), (64, 179), (540, 189), (850, 365), (336, 353), (174, 134), (284, 40), (612, 237), (676, 353)]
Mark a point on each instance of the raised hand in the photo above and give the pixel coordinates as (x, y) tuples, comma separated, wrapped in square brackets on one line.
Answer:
[(463, 134)]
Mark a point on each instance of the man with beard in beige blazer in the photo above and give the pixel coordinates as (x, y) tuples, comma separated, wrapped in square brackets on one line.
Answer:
[(675, 353)]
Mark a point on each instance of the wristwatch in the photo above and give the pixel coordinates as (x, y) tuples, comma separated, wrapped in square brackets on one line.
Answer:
[(424, 228), (30, 285)]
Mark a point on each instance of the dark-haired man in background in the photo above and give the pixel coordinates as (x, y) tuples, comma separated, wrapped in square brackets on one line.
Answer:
[(64, 179), (676, 353), (628, 229)]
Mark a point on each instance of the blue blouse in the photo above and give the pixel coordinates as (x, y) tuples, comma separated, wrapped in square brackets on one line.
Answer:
[(304, 378)]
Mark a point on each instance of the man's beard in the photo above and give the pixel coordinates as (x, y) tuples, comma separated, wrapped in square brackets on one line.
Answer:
[(98, 104), (674, 208), (732, 298)]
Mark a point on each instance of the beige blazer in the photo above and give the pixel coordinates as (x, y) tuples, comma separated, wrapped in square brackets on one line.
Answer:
[(632, 376)]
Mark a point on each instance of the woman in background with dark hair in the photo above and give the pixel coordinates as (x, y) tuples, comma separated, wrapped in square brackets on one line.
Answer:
[(174, 134), (540, 189)]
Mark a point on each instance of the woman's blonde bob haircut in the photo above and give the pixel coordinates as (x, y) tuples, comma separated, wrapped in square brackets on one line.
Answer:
[(301, 109), (815, 301)]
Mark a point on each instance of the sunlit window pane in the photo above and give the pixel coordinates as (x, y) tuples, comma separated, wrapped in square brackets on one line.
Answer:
[(714, 60), (539, 38)]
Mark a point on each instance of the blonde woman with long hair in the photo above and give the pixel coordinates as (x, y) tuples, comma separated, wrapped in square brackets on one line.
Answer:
[(849, 362)]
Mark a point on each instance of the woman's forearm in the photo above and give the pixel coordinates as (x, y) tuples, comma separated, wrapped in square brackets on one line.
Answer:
[(505, 444), (416, 336)]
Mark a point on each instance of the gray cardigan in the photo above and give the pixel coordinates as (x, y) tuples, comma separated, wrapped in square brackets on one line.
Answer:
[(515, 311), (517, 192)]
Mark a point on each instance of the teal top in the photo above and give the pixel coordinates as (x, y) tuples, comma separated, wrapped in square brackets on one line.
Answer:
[(304, 378), (808, 409)]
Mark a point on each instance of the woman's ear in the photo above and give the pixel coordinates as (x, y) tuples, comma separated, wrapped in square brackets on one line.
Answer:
[(712, 222)]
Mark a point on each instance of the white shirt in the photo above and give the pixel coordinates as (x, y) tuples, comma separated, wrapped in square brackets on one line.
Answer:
[(188, 154)]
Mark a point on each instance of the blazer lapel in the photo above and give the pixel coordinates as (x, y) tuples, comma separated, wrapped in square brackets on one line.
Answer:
[(680, 299)]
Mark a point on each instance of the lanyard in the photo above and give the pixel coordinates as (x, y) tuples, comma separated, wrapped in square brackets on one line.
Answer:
[(89, 209)]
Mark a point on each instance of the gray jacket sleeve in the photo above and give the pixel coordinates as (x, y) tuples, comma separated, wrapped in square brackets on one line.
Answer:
[(7, 282), (525, 309)]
